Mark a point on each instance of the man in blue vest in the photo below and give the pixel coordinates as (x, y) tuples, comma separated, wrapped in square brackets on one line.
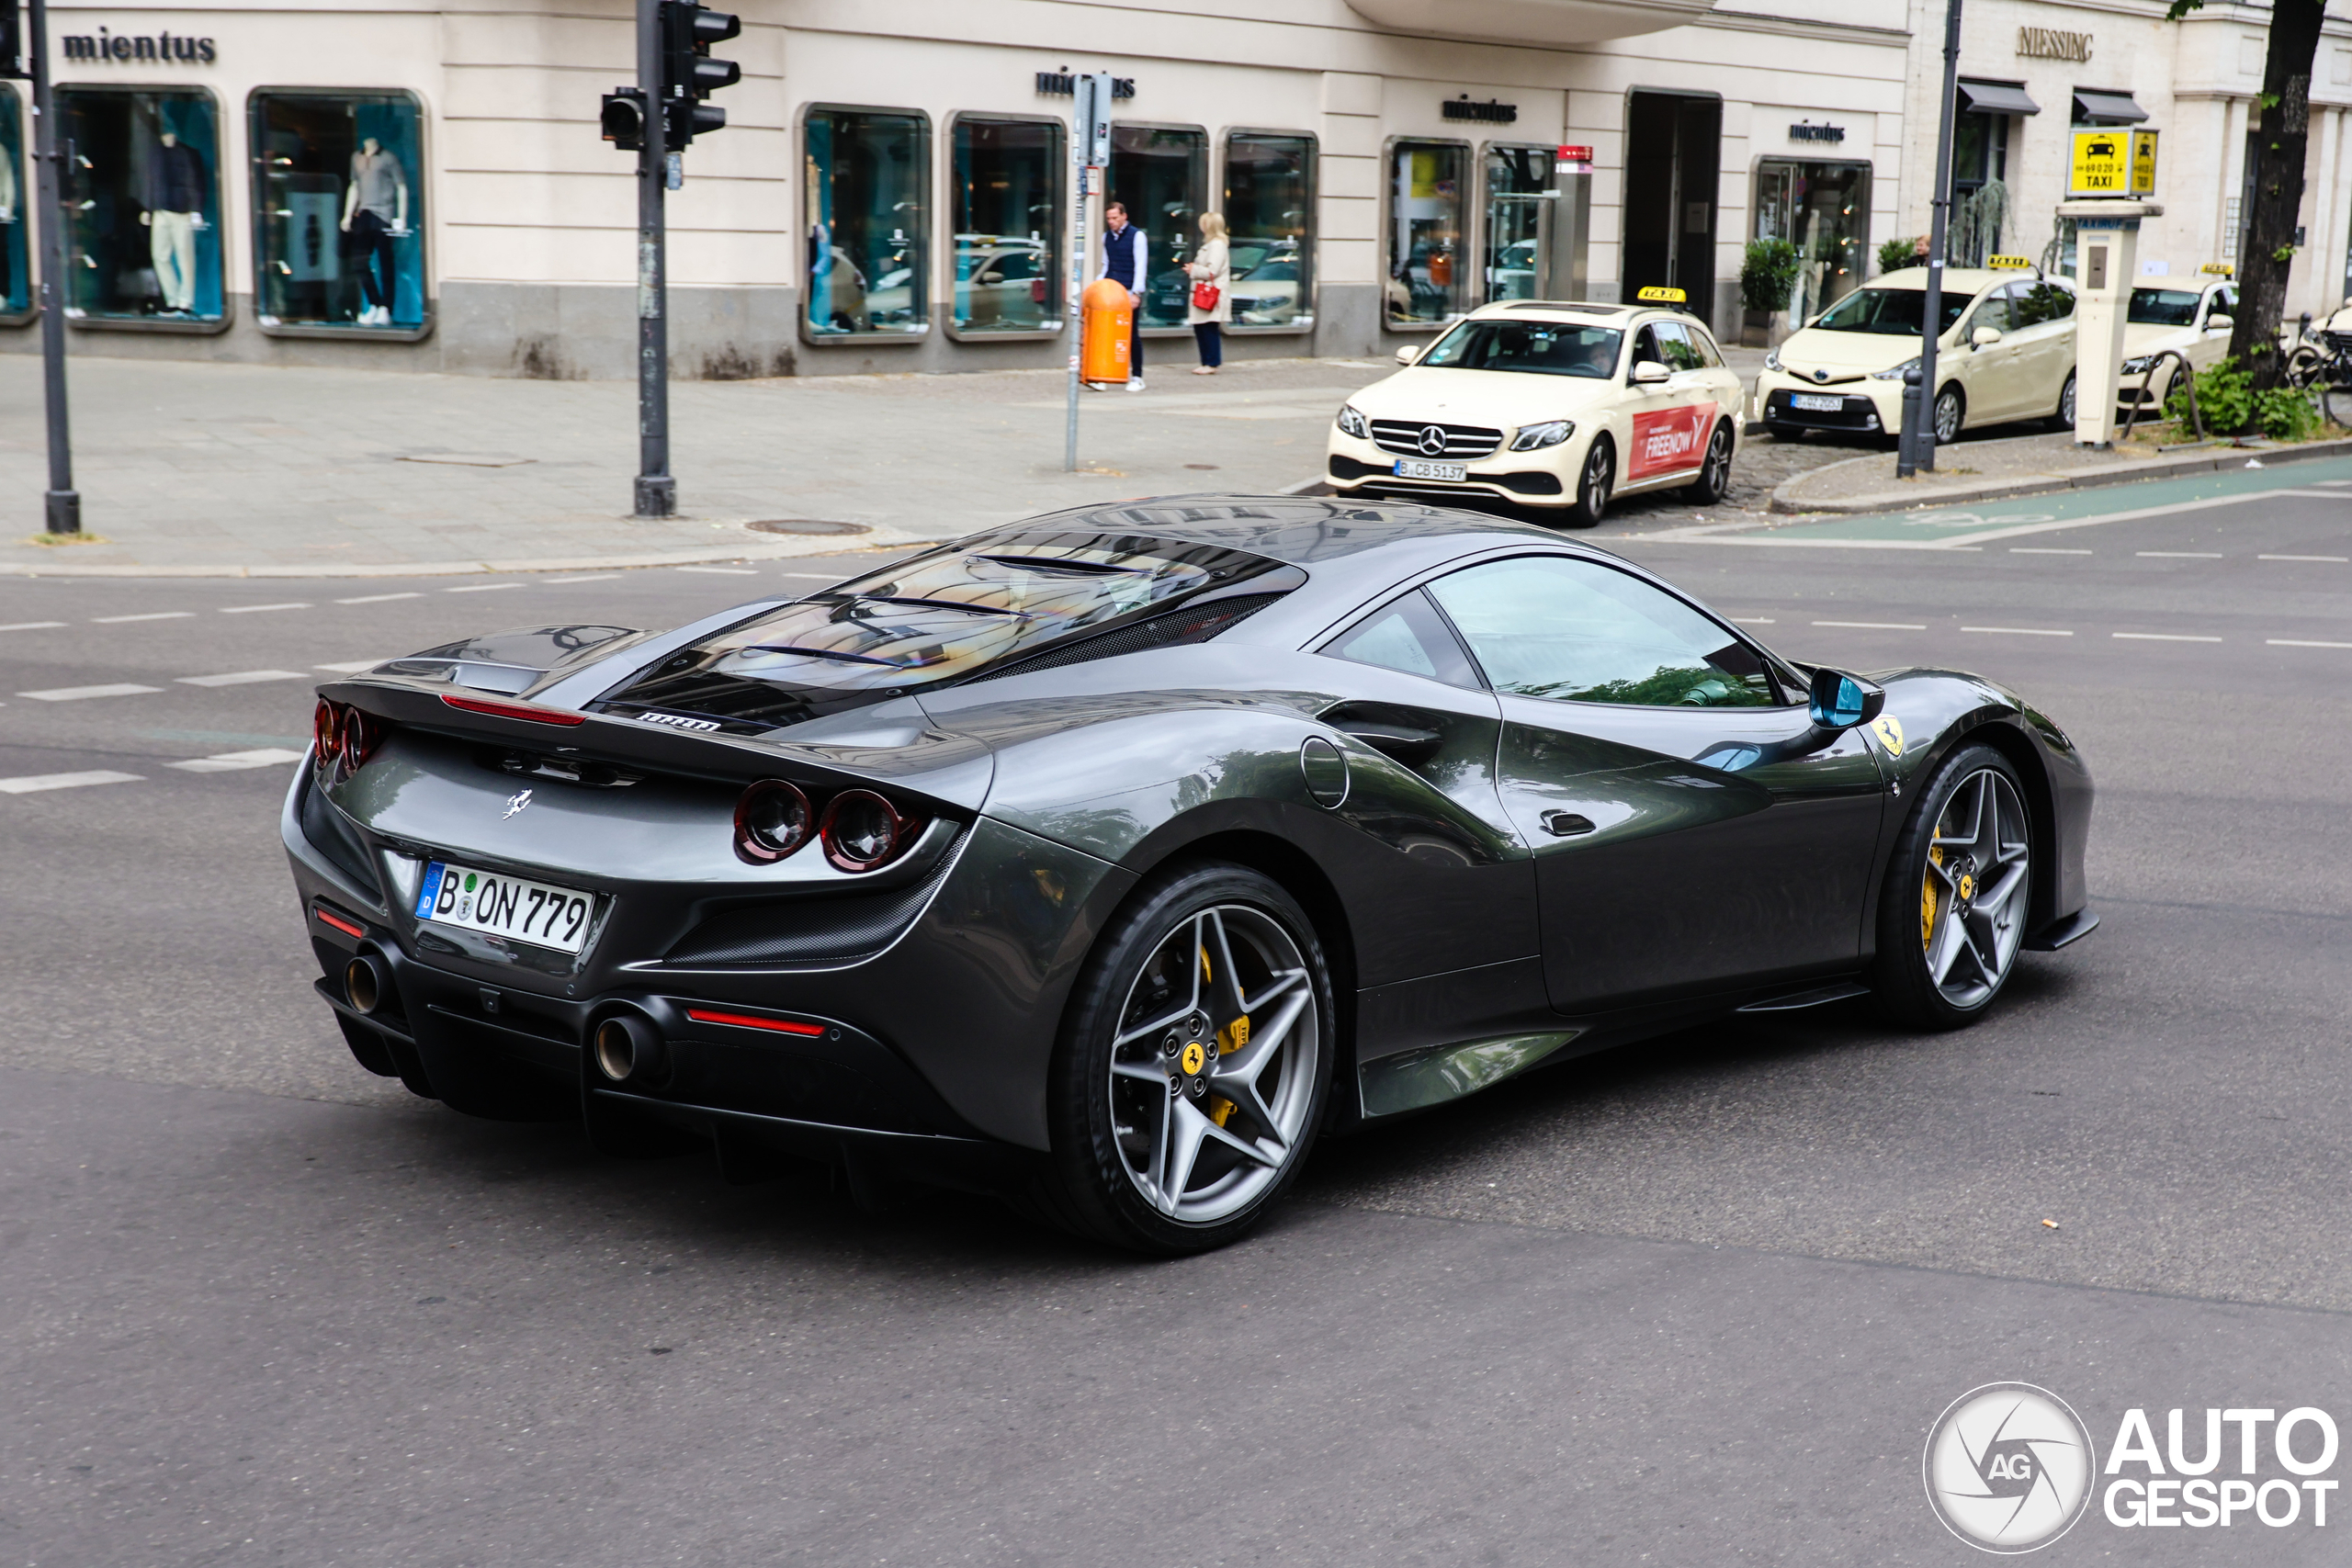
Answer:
[(1124, 263)]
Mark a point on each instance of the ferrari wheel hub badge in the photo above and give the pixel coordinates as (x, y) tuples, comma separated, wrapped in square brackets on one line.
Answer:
[(1194, 1058)]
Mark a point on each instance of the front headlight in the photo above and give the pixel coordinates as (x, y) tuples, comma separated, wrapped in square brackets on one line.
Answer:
[(2141, 365), (1897, 373), (1535, 437), (1351, 423), (1771, 359)]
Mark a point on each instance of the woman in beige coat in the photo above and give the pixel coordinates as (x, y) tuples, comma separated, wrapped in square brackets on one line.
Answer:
[(1212, 265)]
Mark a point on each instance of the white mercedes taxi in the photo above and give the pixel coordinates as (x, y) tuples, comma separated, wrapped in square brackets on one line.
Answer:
[(2006, 351), (1548, 404), (2194, 318)]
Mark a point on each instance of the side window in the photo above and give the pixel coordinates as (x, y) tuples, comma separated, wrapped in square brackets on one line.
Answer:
[(1645, 348), (1674, 344), (1703, 346), (2225, 303), (1578, 631), (2040, 302), (1406, 633), (1993, 310)]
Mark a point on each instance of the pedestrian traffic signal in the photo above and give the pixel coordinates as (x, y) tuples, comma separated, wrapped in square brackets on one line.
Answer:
[(689, 74), (623, 119)]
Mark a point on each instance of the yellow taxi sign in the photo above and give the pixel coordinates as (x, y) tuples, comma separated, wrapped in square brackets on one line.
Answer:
[(2009, 264), (2218, 269), (2144, 163), (2101, 163), (1654, 295)]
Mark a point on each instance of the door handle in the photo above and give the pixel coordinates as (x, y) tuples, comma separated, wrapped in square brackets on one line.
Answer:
[(1406, 743), (1565, 824)]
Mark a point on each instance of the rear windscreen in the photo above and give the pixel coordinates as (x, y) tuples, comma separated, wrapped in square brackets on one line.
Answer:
[(950, 614)]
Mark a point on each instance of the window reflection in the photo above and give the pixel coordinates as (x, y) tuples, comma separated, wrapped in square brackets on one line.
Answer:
[(1008, 225), (865, 222), (1162, 175), (1270, 211), (1425, 281), (16, 243)]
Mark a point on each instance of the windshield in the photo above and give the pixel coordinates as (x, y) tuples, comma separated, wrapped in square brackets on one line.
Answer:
[(1546, 348), (2163, 307), (947, 614), (1893, 311)]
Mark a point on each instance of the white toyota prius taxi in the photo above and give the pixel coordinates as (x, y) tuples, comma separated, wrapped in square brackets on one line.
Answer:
[(1549, 405), (2005, 350)]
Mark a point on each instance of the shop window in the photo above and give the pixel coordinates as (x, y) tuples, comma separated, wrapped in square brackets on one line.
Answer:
[(339, 210), (1008, 222), (1425, 272), (1269, 213), (1521, 205), (142, 205), (1980, 169), (1160, 174), (1824, 210), (15, 229), (866, 175)]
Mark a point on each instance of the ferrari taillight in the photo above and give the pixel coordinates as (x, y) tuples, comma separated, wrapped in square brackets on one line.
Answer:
[(326, 729), (361, 734), (771, 819), (862, 831)]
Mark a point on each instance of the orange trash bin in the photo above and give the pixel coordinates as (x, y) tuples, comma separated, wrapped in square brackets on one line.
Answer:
[(1105, 321)]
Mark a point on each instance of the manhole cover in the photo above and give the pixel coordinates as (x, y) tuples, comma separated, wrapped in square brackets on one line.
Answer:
[(1207, 468), (805, 526)]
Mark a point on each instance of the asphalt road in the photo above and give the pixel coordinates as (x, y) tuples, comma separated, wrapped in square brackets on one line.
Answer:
[(1694, 1302)]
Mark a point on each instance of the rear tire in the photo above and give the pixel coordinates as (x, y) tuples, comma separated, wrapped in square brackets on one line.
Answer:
[(1714, 474), (1139, 1165), (2065, 418), (1958, 889), (1596, 483)]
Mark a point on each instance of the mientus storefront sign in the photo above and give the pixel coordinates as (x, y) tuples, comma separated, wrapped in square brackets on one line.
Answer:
[(107, 46)]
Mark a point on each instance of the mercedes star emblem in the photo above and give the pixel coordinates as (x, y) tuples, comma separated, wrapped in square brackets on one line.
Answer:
[(1432, 441), (1821, 374)]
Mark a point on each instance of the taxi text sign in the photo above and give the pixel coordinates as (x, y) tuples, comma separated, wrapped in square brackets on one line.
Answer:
[(2101, 164), (2144, 163)]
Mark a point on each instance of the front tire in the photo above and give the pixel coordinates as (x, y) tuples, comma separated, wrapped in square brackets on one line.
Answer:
[(1714, 475), (2065, 418), (1958, 889), (1951, 413), (1595, 483), (1195, 1057)]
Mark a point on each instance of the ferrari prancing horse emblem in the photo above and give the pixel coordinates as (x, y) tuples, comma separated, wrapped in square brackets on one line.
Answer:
[(1889, 730), (515, 802)]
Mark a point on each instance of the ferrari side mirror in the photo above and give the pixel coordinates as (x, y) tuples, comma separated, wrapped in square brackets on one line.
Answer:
[(1840, 701)]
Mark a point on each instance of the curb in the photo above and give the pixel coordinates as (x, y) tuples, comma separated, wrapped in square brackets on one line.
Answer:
[(2205, 460), (765, 549)]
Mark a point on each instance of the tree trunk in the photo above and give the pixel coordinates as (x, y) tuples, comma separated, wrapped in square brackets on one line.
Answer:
[(2279, 152)]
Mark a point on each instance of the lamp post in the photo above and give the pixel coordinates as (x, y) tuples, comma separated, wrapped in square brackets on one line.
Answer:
[(1918, 448), (63, 503)]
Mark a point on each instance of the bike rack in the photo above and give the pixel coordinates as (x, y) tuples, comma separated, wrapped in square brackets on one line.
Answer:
[(2189, 380)]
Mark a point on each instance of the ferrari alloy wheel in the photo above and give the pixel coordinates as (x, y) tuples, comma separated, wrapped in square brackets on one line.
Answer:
[(1714, 475), (1190, 1079), (1958, 893), (1951, 411), (1595, 484)]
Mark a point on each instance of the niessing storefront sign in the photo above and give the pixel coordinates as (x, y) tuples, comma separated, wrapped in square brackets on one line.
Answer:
[(2042, 43)]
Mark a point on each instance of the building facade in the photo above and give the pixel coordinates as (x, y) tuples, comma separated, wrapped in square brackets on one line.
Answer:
[(423, 184)]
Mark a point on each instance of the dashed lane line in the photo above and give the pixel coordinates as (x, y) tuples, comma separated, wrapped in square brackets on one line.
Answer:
[(75, 694), (2179, 555), (2017, 631), (2300, 642), (351, 666), (34, 783), (1752, 620), (2043, 550), (233, 762), (1873, 626), (378, 598), (2338, 560), (723, 571), (598, 577), (150, 616), (241, 678), (258, 609), (2161, 637), (482, 588), (31, 625), (811, 575)]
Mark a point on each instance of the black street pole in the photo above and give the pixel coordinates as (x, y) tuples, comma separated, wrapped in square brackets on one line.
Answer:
[(657, 492), (63, 503), (1919, 434)]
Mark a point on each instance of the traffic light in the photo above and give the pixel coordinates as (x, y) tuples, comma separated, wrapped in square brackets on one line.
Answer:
[(623, 120), (689, 74)]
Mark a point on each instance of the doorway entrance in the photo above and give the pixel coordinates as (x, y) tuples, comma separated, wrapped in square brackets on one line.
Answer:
[(1822, 209), (1672, 156)]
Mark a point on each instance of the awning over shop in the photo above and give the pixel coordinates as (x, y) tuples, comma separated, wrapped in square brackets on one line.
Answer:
[(1994, 97), (2107, 108)]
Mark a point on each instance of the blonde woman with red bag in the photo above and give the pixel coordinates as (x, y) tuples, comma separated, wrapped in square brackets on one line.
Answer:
[(1212, 273)]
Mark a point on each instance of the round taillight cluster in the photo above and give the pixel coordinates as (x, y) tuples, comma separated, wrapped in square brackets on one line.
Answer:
[(342, 733), (860, 830)]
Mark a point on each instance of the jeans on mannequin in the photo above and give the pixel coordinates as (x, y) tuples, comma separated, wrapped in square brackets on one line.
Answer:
[(172, 242), (371, 248)]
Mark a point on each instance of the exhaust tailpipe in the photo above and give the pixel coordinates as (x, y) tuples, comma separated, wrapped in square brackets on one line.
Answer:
[(629, 1050), (366, 986)]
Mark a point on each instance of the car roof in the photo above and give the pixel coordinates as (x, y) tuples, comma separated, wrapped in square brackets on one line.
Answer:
[(1965, 279), (1582, 313)]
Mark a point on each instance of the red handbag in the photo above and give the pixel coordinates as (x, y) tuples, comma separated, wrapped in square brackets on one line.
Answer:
[(1205, 295)]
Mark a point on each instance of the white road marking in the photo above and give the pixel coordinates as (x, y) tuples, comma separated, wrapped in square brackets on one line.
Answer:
[(2179, 555), (1873, 626), (2017, 631), (811, 575), (232, 761), (2298, 642), (1751, 620), (352, 666), (241, 678), (378, 598), (482, 588), (258, 609), (75, 694), (721, 570), (155, 615), (2035, 550), (2338, 559), (600, 577), (31, 626), (39, 782), (2161, 637)]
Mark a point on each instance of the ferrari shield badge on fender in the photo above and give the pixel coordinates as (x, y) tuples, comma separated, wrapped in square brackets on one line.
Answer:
[(1889, 730)]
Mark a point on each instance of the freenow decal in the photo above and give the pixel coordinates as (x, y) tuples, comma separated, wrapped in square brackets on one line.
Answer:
[(1668, 439)]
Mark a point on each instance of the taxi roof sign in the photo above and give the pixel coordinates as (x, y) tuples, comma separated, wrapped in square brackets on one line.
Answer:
[(2010, 264), (2218, 269), (1654, 295)]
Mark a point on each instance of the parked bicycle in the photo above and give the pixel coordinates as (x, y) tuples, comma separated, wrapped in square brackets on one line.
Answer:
[(2321, 363)]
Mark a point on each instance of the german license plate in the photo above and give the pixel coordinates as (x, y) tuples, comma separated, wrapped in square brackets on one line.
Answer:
[(1812, 402), (504, 906), (1414, 468)]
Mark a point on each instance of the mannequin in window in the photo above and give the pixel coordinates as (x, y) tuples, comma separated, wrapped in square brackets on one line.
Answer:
[(173, 200), (7, 217), (375, 213)]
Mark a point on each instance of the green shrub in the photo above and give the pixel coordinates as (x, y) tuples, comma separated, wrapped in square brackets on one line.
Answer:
[(2285, 414), (2224, 398), (1768, 275), (1901, 251)]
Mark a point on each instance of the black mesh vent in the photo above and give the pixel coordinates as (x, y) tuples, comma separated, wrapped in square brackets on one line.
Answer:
[(808, 931), (335, 837), (1194, 623)]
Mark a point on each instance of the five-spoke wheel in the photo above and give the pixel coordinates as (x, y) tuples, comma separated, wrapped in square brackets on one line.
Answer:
[(1959, 893)]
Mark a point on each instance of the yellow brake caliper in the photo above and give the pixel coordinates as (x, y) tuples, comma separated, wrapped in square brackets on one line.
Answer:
[(1927, 902), (1229, 1039)]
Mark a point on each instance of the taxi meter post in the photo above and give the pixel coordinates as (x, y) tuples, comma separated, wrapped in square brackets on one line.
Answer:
[(2110, 170), (1089, 154)]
